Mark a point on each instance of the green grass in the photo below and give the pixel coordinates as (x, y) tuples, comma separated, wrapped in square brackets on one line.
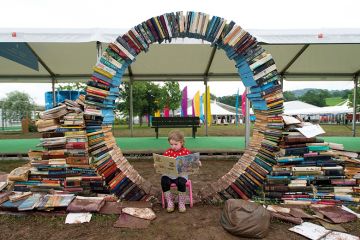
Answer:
[(333, 101), (8, 165)]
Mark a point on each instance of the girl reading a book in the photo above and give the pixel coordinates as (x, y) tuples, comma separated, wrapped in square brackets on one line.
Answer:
[(176, 140)]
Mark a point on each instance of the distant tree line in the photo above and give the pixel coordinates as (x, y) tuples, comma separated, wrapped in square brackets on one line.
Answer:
[(317, 97)]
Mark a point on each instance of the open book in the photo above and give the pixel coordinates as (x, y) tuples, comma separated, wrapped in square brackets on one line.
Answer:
[(179, 166)]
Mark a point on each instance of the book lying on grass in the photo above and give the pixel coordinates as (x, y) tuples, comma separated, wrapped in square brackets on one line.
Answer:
[(179, 166)]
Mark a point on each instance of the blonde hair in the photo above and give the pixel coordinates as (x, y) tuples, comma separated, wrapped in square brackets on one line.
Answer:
[(177, 136)]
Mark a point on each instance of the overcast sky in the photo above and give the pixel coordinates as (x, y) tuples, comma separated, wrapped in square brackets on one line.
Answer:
[(260, 14)]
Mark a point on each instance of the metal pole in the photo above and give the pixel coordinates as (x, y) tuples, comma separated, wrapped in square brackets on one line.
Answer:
[(53, 91), (98, 49), (206, 108), (247, 119), (131, 108), (354, 106)]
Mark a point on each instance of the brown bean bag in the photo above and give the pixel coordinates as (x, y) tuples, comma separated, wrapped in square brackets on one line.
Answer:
[(245, 219)]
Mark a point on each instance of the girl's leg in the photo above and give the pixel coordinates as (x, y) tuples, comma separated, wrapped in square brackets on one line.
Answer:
[(165, 185), (181, 184)]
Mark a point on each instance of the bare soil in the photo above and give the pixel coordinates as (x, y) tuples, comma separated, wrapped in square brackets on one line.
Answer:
[(199, 222)]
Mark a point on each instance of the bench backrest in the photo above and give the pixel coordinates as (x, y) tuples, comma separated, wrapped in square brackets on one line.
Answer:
[(175, 121)]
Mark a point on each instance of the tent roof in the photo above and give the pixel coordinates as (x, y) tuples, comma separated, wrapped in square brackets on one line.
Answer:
[(300, 55), (298, 107)]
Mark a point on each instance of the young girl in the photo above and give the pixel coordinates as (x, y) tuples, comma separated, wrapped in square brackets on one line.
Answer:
[(176, 141)]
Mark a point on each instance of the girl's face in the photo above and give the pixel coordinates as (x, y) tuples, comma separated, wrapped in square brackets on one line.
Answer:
[(175, 145)]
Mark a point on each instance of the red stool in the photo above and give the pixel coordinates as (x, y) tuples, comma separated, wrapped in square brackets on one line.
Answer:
[(188, 185)]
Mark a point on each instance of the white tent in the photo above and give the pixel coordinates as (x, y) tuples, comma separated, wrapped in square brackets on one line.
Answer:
[(69, 54), (217, 109), (301, 108)]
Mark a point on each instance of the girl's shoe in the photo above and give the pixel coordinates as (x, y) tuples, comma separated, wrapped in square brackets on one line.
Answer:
[(182, 199), (169, 201)]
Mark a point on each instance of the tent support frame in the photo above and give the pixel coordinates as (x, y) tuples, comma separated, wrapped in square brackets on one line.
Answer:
[(131, 114), (356, 77)]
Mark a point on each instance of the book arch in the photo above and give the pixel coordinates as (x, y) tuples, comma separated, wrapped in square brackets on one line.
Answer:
[(256, 69)]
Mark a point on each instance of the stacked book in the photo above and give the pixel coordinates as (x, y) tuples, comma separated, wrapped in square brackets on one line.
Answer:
[(64, 163), (120, 177), (309, 170)]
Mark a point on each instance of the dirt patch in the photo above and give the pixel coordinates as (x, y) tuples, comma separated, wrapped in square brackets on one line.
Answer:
[(199, 222)]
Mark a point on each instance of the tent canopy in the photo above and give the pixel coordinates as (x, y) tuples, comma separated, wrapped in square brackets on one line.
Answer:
[(301, 55), (301, 108)]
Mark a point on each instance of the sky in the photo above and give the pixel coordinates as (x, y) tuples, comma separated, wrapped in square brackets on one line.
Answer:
[(260, 14)]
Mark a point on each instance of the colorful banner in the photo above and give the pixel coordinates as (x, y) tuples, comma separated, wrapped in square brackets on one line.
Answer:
[(243, 103), (196, 104), (209, 118), (184, 102), (166, 112), (237, 108), (207, 98), (202, 117)]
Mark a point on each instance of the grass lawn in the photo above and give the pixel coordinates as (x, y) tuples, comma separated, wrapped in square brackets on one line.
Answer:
[(8, 165), (214, 130), (334, 101)]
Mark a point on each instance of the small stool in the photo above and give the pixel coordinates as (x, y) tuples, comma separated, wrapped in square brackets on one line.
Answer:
[(188, 185)]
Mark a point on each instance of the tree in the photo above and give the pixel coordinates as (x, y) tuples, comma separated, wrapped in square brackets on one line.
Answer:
[(78, 86), (171, 96), (17, 105), (152, 97), (316, 97), (289, 96), (229, 100), (146, 98), (139, 89), (351, 98)]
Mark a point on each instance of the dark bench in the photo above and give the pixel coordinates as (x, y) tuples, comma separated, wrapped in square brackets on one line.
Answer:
[(175, 122)]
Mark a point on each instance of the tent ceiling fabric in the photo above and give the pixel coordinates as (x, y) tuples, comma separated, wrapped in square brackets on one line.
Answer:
[(299, 56)]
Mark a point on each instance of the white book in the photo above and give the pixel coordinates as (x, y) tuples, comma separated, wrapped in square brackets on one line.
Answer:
[(305, 169), (167, 26), (206, 22), (237, 37), (261, 61), (220, 29), (181, 22), (200, 24), (264, 72), (110, 59), (121, 47), (105, 68)]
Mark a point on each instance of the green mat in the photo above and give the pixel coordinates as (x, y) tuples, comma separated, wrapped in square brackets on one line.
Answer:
[(160, 144)]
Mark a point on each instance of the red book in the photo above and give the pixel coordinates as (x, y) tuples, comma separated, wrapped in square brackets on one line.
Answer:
[(131, 43), (100, 81), (76, 145), (239, 192)]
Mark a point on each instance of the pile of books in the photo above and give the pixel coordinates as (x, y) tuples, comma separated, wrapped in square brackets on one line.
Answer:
[(64, 163), (309, 170), (120, 177)]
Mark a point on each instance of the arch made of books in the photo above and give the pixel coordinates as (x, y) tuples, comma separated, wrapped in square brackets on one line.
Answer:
[(256, 69)]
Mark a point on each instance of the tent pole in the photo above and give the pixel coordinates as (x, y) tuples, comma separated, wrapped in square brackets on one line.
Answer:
[(247, 119), (53, 91), (98, 49), (131, 108), (354, 106), (206, 107)]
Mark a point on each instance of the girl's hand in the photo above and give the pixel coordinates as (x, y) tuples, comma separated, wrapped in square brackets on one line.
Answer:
[(200, 164)]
